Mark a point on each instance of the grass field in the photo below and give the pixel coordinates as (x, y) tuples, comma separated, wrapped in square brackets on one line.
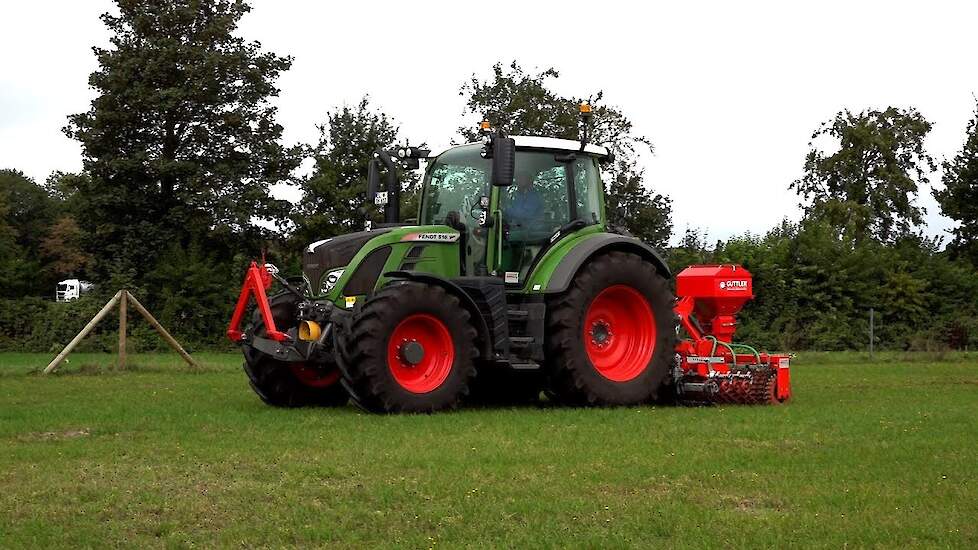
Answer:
[(882, 454)]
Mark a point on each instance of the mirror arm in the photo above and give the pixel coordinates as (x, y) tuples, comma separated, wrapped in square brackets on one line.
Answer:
[(392, 211)]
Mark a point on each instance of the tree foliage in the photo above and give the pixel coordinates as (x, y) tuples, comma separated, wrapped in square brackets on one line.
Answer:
[(26, 213), (523, 103), (11, 256), (814, 291), (30, 210), (867, 188), (63, 252), (181, 139), (334, 196), (959, 198)]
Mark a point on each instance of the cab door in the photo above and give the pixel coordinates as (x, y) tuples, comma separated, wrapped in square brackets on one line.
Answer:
[(554, 195)]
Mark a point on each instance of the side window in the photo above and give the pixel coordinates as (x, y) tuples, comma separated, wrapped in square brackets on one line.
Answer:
[(587, 187), (453, 188), (536, 205)]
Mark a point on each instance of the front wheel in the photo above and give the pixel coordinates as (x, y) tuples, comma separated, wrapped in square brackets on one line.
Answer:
[(611, 336), (410, 349), (289, 384)]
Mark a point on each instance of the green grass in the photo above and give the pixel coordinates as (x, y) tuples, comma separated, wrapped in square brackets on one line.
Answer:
[(868, 454)]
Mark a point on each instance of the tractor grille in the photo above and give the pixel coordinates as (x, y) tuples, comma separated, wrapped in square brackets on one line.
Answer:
[(334, 253)]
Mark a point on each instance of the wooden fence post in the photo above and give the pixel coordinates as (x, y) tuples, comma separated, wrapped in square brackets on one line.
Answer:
[(166, 335), (84, 332), (123, 307)]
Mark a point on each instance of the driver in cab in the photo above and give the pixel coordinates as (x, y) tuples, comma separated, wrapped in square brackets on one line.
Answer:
[(525, 206)]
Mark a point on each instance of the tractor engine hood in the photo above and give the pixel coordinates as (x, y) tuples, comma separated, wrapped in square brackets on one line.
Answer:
[(321, 257)]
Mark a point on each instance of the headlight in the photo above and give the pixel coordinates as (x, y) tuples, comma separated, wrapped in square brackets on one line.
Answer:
[(329, 281)]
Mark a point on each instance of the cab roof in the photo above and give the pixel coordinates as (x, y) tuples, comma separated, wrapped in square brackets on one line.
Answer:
[(537, 142)]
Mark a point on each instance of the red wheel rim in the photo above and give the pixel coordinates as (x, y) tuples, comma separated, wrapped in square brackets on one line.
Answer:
[(427, 373), (619, 333), (313, 377)]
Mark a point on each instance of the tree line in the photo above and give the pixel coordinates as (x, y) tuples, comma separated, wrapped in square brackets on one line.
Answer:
[(181, 147)]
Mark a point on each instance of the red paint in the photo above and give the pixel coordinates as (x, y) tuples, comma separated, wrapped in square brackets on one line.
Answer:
[(439, 353), (313, 377), (718, 292), (257, 281), (709, 297), (619, 333)]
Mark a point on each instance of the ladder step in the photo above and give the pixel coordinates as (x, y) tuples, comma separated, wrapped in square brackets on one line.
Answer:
[(524, 366), (517, 314), (520, 341)]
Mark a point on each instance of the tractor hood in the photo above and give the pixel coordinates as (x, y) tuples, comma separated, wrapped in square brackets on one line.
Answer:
[(321, 257)]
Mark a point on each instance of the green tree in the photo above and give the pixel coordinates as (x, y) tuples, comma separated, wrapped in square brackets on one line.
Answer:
[(959, 198), (30, 209), (28, 213), (14, 270), (334, 196), (181, 141), (645, 214), (63, 252), (520, 102), (868, 187), (199, 299)]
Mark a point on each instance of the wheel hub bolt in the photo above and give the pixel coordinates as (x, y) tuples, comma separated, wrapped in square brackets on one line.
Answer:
[(601, 333)]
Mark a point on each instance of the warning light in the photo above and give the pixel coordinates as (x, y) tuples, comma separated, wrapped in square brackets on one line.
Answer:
[(485, 126)]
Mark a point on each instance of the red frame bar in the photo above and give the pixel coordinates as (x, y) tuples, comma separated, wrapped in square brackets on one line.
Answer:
[(257, 281)]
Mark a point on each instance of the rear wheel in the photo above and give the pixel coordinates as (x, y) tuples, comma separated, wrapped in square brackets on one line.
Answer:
[(611, 336), (289, 384), (410, 349)]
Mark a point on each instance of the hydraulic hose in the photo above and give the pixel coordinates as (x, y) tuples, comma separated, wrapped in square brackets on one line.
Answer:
[(757, 356), (713, 352)]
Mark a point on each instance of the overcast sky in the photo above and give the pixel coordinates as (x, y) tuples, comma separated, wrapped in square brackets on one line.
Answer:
[(729, 92)]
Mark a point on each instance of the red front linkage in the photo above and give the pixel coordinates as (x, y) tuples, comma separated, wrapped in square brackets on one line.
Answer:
[(257, 281)]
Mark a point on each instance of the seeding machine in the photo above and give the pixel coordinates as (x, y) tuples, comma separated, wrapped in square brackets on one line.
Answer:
[(511, 282)]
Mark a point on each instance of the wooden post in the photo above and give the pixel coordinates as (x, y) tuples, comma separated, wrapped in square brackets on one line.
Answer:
[(84, 332), (159, 328), (123, 306)]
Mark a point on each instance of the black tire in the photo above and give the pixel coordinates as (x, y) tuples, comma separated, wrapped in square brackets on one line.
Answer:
[(275, 381), (573, 378), (365, 369)]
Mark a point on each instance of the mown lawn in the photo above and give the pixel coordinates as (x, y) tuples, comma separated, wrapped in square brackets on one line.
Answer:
[(882, 454)]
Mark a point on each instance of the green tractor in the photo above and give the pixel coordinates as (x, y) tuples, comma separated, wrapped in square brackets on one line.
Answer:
[(511, 283)]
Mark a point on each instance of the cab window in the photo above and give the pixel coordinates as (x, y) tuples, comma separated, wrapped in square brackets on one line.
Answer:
[(538, 204)]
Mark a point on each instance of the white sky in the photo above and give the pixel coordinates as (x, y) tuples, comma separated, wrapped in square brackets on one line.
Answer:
[(729, 92)]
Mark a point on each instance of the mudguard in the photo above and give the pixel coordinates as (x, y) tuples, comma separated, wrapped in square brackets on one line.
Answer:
[(605, 242)]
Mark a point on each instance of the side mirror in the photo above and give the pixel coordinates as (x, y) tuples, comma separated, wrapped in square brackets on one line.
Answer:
[(503, 161), (373, 179)]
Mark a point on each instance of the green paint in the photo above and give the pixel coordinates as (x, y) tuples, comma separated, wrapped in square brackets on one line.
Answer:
[(440, 258), (551, 259)]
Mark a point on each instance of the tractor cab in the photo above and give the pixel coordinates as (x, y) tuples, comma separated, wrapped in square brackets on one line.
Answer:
[(505, 229)]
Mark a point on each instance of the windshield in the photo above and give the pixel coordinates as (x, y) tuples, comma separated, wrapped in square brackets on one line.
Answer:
[(453, 193), (457, 180)]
